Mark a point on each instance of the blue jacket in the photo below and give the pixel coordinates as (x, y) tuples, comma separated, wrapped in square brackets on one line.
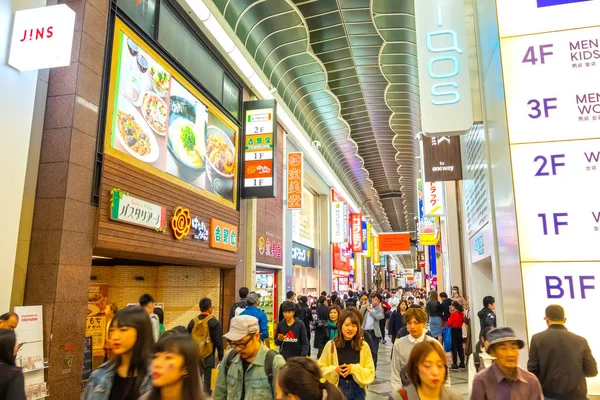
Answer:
[(263, 321), (101, 380)]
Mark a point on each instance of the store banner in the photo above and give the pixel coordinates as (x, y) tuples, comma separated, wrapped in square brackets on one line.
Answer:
[(433, 201), (442, 159), (339, 222), (96, 328), (303, 255), (97, 298), (42, 38), (128, 209), (260, 153), (157, 121), (366, 239), (376, 255), (394, 243), (295, 179), (223, 236), (357, 233), (340, 259), (444, 79)]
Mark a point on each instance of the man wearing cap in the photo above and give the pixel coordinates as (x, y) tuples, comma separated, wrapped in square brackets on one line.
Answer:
[(505, 380), (249, 369), (259, 314), (560, 359)]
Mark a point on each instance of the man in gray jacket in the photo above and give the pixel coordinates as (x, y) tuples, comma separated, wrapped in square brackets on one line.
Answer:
[(560, 359), (373, 314)]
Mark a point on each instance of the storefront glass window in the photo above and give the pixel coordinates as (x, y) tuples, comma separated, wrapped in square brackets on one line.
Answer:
[(304, 221), (141, 12)]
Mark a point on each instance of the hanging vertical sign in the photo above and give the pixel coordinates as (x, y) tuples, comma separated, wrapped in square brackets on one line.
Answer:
[(357, 233), (339, 222), (295, 174), (444, 80), (260, 149), (365, 238), (433, 202), (375, 256), (442, 159)]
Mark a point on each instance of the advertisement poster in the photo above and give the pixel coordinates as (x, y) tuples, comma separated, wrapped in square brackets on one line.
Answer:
[(294, 180), (87, 362), (96, 328), (30, 357), (357, 233), (157, 122), (97, 298)]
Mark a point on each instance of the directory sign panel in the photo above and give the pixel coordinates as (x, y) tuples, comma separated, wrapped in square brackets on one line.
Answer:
[(524, 17)]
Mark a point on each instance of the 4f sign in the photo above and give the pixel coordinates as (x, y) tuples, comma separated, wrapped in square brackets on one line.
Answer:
[(444, 79), (42, 38)]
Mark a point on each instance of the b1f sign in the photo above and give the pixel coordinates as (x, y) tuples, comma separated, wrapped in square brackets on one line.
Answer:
[(42, 38), (444, 80)]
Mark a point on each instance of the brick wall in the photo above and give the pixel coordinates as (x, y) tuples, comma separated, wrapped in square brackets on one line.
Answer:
[(179, 288)]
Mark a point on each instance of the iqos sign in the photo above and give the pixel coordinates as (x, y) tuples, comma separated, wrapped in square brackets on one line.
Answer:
[(444, 80)]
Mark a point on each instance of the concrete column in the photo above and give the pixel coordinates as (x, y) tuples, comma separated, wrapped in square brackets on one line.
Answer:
[(452, 231)]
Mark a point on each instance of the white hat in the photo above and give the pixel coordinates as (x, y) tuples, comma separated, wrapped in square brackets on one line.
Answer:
[(241, 326)]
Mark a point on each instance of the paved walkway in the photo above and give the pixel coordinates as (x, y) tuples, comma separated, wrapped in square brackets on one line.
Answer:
[(381, 388)]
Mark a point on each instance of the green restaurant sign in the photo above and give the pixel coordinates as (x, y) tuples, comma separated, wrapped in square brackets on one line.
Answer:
[(130, 210)]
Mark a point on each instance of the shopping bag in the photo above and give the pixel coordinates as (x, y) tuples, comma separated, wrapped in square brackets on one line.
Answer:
[(213, 378), (447, 336)]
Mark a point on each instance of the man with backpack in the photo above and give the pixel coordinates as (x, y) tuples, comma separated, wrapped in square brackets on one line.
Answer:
[(249, 370), (241, 305), (206, 331)]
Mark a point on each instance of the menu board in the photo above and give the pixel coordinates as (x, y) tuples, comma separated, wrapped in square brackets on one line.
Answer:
[(87, 361), (159, 122)]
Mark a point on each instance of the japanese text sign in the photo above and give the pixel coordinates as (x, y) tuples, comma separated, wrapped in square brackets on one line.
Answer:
[(339, 222), (375, 255), (260, 153), (223, 236), (125, 208), (444, 80), (433, 201), (394, 243), (42, 38), (357, 233), (96, 328), (295, 166)]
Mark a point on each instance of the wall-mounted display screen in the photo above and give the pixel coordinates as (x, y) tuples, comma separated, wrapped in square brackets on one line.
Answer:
[(159, 122)]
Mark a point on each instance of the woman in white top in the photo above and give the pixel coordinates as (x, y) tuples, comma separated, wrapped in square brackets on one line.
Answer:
[(480, 359)]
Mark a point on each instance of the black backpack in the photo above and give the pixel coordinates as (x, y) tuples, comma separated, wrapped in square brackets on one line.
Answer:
[(268, 364)]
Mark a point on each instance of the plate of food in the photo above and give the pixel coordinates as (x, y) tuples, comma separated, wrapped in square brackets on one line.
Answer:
[(220, 158), (155, 112), (187, 148), (131, 89), (135, 135), (93, 310), (160, 80)]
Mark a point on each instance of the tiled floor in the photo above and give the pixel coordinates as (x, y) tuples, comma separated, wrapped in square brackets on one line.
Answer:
[(380, 389)]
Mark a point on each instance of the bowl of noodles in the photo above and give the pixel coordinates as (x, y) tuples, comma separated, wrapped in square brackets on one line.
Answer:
[(221, 160), (187, 148)]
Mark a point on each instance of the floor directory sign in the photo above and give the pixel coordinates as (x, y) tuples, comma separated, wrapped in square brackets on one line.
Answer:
[(551, 67)]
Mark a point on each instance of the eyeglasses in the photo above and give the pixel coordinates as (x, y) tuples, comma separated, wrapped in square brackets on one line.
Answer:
[(240, 346)]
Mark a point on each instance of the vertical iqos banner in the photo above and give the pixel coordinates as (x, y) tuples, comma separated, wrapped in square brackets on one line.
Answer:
[(444, 81)]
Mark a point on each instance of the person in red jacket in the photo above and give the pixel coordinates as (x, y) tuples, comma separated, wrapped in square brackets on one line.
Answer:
[(455, 322)]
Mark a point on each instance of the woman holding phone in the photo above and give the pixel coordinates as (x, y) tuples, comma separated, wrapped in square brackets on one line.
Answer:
[(127, 375), (346, 360), (12, 383)]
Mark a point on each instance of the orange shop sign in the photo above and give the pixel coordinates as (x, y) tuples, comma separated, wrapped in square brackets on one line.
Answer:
[(223, 236), (394, 243), (294, 180)]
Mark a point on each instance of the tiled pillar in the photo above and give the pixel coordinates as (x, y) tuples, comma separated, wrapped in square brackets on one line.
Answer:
[(60, 259)]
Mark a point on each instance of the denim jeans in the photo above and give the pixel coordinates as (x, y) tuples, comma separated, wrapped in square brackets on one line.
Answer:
[(351, 389)]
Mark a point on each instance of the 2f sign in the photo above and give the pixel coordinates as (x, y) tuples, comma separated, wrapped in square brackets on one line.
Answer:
[(42, 38), (444, 79)]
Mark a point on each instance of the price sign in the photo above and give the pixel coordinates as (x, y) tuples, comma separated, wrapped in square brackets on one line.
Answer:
[(557, 201), (552, 90)]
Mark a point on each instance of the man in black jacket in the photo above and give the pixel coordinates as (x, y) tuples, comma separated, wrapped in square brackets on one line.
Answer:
[(446, 303), (487, 316), (243, 303), (560, 359)]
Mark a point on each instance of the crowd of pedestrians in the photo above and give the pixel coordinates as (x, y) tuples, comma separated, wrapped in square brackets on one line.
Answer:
[(146, 361)]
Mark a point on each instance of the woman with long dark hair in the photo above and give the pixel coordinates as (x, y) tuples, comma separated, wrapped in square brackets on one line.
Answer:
[(397, 319), (12, 383), (127, 375), (300, 378), (175, 370), (347, 361), (434, 310)]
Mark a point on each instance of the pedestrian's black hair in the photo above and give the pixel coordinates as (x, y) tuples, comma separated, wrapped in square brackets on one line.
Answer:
[(290, 294), (288, 306), (146, 299), (488, 300), (205, 304), (243, 292), (6, 316), (160, 313)]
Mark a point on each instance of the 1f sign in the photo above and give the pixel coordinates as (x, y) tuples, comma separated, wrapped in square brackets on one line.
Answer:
[(444, 79)]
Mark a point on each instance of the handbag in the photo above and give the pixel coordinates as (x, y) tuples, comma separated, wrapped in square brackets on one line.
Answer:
[(447, 339)]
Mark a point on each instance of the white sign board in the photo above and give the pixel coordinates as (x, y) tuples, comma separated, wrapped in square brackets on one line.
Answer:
[(575, 287), (42, 38), (557, 197), (552, 85), (524, 17), (339, 222), (433, 199), (482, 244), (444, 80)]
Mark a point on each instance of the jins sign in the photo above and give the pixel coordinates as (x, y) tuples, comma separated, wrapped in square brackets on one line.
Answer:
[(42, 38)]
